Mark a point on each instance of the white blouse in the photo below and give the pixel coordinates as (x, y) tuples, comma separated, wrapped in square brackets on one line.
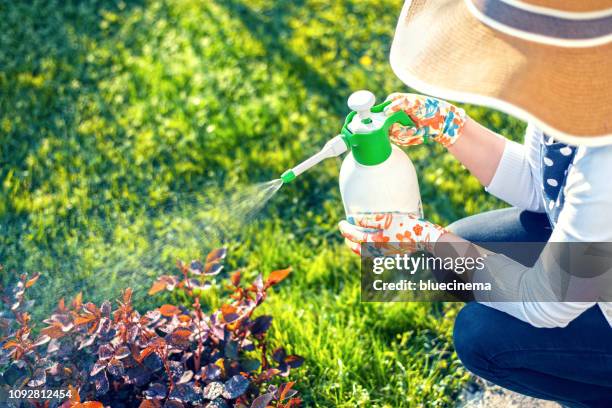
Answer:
[(585, 217)]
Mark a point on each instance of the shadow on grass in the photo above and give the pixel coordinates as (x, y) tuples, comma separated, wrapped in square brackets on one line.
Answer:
[(271, 30), (45, 88), (40, 52)]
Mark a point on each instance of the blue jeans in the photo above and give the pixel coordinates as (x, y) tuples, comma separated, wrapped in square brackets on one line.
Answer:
[(570, 365)]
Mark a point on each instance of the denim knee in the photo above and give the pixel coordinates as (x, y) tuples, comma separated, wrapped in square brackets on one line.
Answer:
[(470, 336)]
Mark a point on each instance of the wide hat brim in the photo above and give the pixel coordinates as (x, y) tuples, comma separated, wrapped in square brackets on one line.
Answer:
[(442, 49)]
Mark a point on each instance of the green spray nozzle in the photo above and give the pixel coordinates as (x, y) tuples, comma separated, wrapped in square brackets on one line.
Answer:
[(365, 132), (288, 176)]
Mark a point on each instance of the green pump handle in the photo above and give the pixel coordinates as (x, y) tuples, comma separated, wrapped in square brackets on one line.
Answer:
[(374, 147)]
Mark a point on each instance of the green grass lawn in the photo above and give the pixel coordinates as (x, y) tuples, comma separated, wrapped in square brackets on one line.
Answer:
[(129, 132)]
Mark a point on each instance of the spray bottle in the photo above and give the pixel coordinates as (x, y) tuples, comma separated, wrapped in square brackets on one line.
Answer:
[(376, 176)]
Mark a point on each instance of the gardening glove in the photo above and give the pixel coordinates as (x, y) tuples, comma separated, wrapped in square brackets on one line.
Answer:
[(392, 233), (433, 118)]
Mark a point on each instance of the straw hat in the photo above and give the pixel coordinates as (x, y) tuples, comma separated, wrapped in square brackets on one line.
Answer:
[(544, 61)]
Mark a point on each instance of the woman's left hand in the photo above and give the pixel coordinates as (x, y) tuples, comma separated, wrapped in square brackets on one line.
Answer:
[(392, 232), (434, 119)]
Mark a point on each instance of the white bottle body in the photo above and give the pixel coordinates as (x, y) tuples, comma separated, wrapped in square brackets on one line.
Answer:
[(391, 186)]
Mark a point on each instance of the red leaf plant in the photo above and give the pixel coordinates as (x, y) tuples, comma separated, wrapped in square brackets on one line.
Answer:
[(173, 356)]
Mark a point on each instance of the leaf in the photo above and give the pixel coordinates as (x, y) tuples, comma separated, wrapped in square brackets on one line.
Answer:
[(173, 404), (277, 276), (91, 308), (138, 376), (279, 355), (106, 351), (180, 338), (247, 345), (263, 400), (149, 404), (101, 383), (54, 332), (229, 313), (105, 308), (213, 390), (213, 269), (122, 352), (10, 344), (74, 394), (127, 296), (61, 305), (145, 353), (157, 287), (235, 387), (65, 321), (231, 350), (196, 267), (227, 309), (196, 284), (105, 329), (186, 377), (258, 285), (235, 278), (115, 367), (97, 368), (164, 282), (294, 361), (217, 403), (88, 341), (152, 316), (249, 364), (176, 370), (53, 346), (261, 324), (153, 362), (268, 374), (15, 375), (91, 404), (32, 280), (38, 378), (293, 402), (156, 391), (77, 302), (216, 255), (84, 319), (285, 391), (41, 340), (184, 393), (211, 372), (168, 310)]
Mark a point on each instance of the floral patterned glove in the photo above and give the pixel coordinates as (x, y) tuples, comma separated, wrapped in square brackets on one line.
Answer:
[(393, 232), (434, 119)]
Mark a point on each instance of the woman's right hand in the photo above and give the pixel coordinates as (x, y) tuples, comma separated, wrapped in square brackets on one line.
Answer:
[(434, 119)]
